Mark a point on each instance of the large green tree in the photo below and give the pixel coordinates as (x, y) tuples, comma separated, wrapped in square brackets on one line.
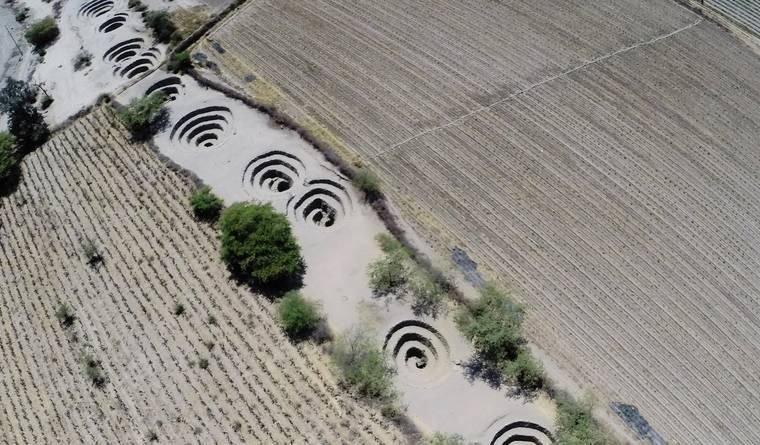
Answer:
[(258, 245)]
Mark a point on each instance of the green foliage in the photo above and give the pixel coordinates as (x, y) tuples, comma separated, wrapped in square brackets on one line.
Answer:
[(91, 252), (144, 116), (152, 436), (494, 325), (428, 293), (25, 122), (298, 316), (524, 371), (576, 425), (14, 93), (206, 205), (22, 14), (8, 160), (93, 371), (160, 22), (180, 62), (258, 245), (83, 59), (65, 315), (137, 5), (390, 245), (362, 366), (42, 33), (203, 363), (368, 182), (179, 309), (445, 439), (389, 274)]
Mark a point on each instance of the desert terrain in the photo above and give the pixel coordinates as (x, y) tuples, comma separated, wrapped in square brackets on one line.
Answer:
[(599, 158)]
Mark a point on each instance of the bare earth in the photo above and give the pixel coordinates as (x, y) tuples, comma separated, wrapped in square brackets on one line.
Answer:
[(601, 157), (88, 182)]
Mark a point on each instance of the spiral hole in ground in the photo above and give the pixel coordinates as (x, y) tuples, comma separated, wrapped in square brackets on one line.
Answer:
[(522, 432), (170, 86), (202, 128), (114, 23), (419, 351), (95, 8), (123, 50), (323, 205), (273, 174)]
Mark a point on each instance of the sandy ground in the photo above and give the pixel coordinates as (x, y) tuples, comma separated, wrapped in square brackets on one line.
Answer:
[(14, 64), (337, 257)]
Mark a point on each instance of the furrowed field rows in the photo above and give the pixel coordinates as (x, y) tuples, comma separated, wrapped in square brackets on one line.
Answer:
[(87, 182), (602, 162), (390, 56), (647, 255)]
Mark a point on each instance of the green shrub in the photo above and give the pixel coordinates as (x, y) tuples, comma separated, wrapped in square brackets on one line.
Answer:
[(389, 274), (179, 309), (91, 252), (137, 5), (83, 59), (206, 205), (180, 62), (494, 325), (576, 425), (65, 315), (42, 33), (298, 316), (93, 371), (203, 363), (22, 14), (161, 24), (524, 371), (428, 293), (8, 162), (362, 366), (144, 116), (258, 245), (25, 122), (366, 181), (445, 439)]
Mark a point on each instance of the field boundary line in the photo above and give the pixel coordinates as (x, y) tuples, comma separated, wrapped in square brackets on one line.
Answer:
[(538, 84)]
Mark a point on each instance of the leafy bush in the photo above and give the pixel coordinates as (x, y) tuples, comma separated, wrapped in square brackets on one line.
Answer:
[(445, 439), (42, 33), (206, 205), (137, 5), (258, 245), (65, 315), (362, 366), (203, 363), (389, 274), (160, 22), (366, 181), (576, 425), (179, 309), (144, 116), (180, 62), (83, 59), (298, 316), (15, 93), (93, 371), (524, 371), (22, 14), (8, 162), (428, 293), (494, 325), (91, 252)]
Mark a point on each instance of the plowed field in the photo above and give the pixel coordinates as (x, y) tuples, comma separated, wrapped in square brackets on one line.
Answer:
[(601, 157), (88, 182)]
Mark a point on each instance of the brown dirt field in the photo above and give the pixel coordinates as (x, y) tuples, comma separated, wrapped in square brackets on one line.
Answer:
[(600, 157), (89, 182)]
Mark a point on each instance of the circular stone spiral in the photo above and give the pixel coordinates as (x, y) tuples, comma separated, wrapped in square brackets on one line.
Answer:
[(522, 433), (324, 204), (273, 174), (419, 351), (203, 128)]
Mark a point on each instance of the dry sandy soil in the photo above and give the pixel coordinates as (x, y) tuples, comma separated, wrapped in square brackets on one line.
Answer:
[(87, 182), (601, 157)]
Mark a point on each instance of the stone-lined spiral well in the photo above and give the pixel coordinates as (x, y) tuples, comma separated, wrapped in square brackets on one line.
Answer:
[(419, 351), (95, 8), (140, 64), (124, 50), (117, 21), (273, 173), (170, 86), (203, 128), (522, 433), (323, 204)]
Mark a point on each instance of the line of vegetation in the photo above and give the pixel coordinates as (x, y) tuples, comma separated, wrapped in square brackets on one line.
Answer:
[(9, 169), (259, 248), (206, 205), (42, 34), (396, 273), (180, 62), (576, 424)]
